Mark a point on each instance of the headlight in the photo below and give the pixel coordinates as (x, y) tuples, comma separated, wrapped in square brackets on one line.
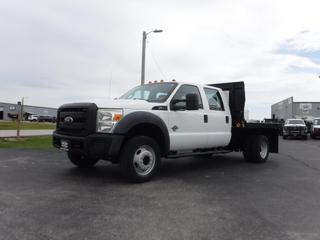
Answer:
[(107, 119)]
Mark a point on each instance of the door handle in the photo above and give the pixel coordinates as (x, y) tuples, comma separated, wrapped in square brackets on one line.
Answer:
[(205, 118)]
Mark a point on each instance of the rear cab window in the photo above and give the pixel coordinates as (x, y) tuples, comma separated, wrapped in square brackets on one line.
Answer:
[(214, 99)]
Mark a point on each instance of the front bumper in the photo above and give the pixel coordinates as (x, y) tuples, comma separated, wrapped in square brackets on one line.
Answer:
[(295, 133), (97, 145), (316, 132)]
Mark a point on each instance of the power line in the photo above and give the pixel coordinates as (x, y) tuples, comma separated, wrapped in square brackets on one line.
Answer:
[(157, 64)]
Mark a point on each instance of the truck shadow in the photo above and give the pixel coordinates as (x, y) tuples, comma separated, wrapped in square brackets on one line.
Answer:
[(102, 172), (170, 168), (199, 166)]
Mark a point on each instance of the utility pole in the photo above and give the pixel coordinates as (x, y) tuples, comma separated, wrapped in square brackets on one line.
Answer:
[(143, 63), (19, 117), (144, 38), (22, 104)]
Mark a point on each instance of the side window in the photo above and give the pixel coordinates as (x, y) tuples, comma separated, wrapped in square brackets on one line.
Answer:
[(182, 93), (214, 99)]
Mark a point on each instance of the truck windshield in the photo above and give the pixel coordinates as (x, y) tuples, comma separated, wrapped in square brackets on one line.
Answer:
[(316, 122), (296, 121), (155, 92)]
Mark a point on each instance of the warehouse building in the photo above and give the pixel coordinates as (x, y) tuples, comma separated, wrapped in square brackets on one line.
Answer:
[(287, 108), (11, 109)]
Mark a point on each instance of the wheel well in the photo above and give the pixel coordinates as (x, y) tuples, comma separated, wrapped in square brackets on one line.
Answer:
[(150, 130)]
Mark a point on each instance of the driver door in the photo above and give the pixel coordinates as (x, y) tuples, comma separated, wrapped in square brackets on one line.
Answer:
[(187, 128)]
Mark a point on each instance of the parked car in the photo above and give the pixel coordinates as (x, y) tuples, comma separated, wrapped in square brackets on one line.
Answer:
[(47, 119), (13, 116), (158, 120), (315, 128), (33, 118), (295, 128)]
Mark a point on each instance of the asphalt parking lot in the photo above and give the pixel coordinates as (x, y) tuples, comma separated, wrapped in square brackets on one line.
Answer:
[(42, 196)]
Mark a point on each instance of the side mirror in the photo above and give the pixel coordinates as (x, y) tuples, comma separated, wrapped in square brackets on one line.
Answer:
[(192, 101), (174, 106)]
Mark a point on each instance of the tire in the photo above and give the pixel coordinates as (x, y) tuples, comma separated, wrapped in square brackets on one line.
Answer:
[(284, 137), (256, 149), (80, 159), (140, 159), (312, 136), (305, 137)]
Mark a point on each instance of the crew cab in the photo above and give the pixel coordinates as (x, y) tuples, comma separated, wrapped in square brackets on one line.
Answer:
[(162, 120), (315, 128), (295, 128)]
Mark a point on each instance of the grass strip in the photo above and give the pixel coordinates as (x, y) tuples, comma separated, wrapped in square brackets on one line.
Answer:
[(43, 142), (12, 125)]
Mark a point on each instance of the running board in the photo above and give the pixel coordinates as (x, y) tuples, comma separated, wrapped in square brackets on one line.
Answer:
[(190, 154)]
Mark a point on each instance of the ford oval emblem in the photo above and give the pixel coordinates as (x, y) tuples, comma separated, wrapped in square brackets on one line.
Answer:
[(68, 120)]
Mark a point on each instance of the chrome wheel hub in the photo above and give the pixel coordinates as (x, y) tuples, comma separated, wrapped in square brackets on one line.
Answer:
[(263, 149), (144, 160)]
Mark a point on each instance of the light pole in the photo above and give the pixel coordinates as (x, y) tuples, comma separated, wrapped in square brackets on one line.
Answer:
[(144, 38)]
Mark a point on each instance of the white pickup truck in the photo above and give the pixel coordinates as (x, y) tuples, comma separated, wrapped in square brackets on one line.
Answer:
[(165, 119), (295, 128)]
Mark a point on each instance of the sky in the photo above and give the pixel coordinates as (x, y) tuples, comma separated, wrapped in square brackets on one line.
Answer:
[(54, 52)]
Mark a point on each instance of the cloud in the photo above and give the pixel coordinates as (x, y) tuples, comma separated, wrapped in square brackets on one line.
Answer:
[(60, 51), (306, 45)]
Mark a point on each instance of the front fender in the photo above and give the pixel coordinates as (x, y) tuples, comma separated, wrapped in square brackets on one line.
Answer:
[(136, 118)]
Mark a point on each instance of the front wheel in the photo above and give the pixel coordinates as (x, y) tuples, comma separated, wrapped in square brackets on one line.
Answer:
[(256, 149), (80, 159), (140, 159)]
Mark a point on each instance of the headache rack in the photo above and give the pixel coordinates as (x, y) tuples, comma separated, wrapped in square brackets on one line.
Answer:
[(235, 93)]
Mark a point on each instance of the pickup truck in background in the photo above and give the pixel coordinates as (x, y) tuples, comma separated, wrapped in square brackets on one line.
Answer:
[(295, 128), (162, 120), (315, 128), (33, 118)]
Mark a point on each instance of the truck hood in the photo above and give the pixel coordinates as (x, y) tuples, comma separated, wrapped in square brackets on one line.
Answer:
[(316, 126), (129, 104)]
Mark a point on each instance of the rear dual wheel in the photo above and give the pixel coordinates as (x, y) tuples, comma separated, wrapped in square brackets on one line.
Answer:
[(256, 149)]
